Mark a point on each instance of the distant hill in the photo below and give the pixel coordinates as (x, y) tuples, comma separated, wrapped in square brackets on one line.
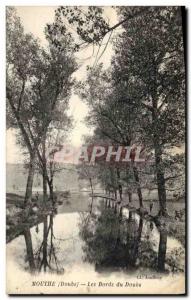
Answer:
[(16, 176)]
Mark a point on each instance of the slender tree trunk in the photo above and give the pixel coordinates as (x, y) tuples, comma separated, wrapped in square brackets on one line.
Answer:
[(139, 192), (51, 190), (91, 186), (137, 242), (121, 211), (130, 216), (29, 249), (162, 251), (119, 185), (130, 197), (28, 193), (44, 186), (44, 168), (120, 192), (45, 237), (50, 183), (158, 161), (160, 181)]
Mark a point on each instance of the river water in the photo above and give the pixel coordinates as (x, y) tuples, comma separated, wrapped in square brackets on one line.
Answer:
[(82, 249)]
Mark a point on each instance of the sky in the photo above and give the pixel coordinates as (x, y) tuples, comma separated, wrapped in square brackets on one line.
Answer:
[(34, 19)]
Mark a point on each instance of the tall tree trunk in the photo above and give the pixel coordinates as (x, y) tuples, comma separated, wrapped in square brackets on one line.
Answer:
[(44, 186), (160, 181), (43, 247), (162, 250), (44, 168), (119, 185), (158, 160), (28, 192), (130, 197), (51, 190), (50, 183), (45, 237), (137, 241), (29, 249), (139, 192), (91, 186)]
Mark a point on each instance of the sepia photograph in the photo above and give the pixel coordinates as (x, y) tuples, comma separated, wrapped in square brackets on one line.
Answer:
[(95, 150)]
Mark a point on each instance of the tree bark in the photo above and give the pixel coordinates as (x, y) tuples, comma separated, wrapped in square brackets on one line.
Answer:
[(45, 237), (130, 197), (44, 170), (160, 181), (91, 186), (162, 251), (139, 192), (29, 249), (137, 241), (51, 190), (28, 193), (119, 185), (44, 180), (158, 159)]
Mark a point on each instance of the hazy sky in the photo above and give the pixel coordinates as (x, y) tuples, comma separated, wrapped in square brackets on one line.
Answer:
[(34, 19)]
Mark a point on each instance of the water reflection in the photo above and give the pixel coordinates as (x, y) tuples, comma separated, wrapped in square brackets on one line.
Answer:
[(29, 249), (44, 257), (105, 239), (162, 250), (113, 242)]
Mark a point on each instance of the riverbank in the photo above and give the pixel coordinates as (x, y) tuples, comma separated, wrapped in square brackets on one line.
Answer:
[(19, 218)]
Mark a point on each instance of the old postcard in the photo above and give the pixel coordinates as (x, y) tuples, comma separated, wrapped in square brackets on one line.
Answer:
[(96, 125)]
